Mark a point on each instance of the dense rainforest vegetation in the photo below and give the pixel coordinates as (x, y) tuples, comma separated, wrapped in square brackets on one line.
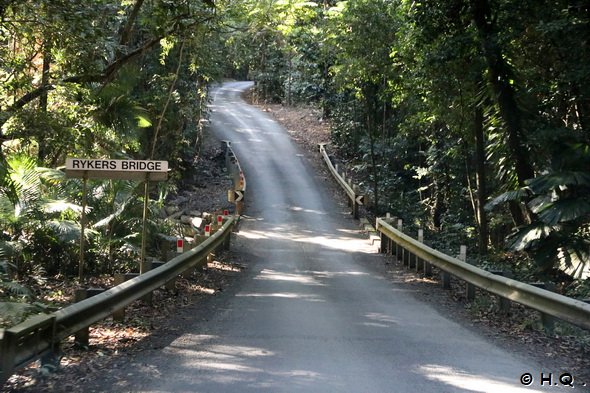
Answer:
[(467, 117)]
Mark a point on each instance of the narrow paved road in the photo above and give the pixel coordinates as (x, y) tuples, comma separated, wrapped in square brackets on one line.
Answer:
[(313, 314)]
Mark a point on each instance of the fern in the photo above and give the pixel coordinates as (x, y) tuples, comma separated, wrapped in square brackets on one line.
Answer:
[(16, 289), (13, 313)]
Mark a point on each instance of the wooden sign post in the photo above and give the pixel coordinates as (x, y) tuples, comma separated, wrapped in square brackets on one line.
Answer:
[(106, 168)]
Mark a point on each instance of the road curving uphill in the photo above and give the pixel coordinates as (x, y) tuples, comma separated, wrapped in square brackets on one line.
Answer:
[(314, 311)]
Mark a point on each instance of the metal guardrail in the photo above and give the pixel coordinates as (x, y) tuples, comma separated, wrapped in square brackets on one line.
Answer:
[(38, 335), (356, 199), (547, 302), (237, 175)]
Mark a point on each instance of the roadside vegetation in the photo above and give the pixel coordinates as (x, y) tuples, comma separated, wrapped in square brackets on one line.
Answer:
[(469, 118)]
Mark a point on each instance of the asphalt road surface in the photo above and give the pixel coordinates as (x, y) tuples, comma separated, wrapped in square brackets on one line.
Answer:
[(313, 313)]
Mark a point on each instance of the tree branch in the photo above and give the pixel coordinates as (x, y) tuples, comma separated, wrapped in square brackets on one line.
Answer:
[(126, 33), (115, 66), (105, 77)]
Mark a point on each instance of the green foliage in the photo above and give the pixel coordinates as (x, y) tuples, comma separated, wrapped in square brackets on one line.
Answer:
[(407, 86), (13, 298), (560, 201), (91, 80)]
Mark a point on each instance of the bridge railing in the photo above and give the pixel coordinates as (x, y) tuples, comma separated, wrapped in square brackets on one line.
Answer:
[(39, 336), (356, 199), (548, 303)]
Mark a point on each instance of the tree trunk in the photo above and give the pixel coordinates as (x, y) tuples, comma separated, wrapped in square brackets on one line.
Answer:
[(371, 108), (43, 99), (128, 28), (500, 79), (439, 205), (480, 180)]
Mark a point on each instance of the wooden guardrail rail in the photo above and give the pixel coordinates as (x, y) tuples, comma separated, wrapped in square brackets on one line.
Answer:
[(571, 310), (356, 199), (38, 336)]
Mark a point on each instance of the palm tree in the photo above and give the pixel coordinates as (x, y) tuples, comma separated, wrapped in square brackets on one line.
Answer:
[(558, 236)]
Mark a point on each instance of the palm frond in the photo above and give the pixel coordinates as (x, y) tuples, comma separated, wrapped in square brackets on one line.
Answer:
[(27, 183), (61, 206), (7, 186), (12, 313), (539, 203), (7, 249), (66, 231), (111, 217), (6, 268), (564, 210), (16, 289), (528, 237), (574, 258), (513, 195), (51, 175), (554, 180)]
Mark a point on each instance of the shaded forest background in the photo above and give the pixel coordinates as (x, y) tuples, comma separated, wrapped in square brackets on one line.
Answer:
[(469, 118)]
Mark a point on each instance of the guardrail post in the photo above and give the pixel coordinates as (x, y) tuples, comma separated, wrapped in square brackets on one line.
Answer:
[(412, 260), (170, 285), (469, 288), (406, 255), (7, 348), (36, 335), (547, 320), (385, 246), (120, 278), (188, 272), (82, 337), (355, 205), (389, 220), (427, 265), (400, 226), (445, 279), (239, 207), (503, 303), (392, 246), (419, 261), (398, 249), (226, 242), (351, 202)]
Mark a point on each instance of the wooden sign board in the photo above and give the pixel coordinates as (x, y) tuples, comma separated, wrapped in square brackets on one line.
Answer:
[(116, 169)]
